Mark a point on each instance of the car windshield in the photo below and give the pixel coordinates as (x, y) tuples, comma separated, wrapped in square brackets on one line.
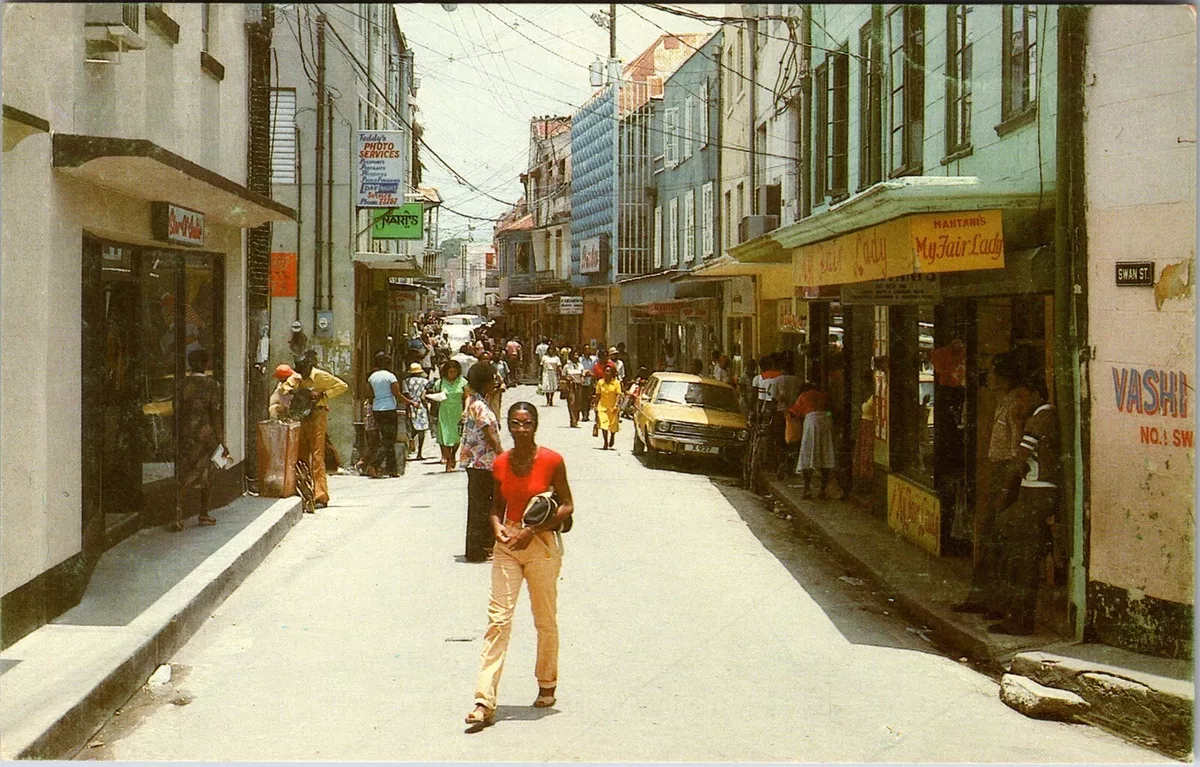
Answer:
[(697, 394)]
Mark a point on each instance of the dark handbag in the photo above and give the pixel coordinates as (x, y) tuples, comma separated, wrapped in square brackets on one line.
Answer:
[(303, 401), (543, 506)]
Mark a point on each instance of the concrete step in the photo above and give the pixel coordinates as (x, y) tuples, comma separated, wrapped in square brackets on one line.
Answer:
[(1148, 700)]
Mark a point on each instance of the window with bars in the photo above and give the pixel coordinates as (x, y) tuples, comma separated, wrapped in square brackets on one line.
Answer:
[(821, 122), (673, 231), (1019, 38), (958, 79), (870, 105), (837, 129), (906, 57), (689, 226), (706, 220)]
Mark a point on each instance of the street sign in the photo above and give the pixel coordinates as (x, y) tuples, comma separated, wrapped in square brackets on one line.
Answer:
[(570, 304), (402, 223), (1135, 273), (381, 169)]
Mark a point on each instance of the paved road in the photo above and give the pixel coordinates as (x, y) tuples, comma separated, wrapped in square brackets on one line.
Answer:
[(695, 627)]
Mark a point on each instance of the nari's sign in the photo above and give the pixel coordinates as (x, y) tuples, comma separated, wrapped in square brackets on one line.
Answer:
[(171, 223)]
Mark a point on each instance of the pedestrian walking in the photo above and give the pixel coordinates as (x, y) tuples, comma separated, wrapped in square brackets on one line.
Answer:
[(1023, 529), (384, 409), (413, 390), (572, 374), (549, 382), (530, 554), (816, 445), (588, 389), (496, 394), (480, 446), (606, 403), (201, 435), (1003, 481), (314, 428), (450, 409)]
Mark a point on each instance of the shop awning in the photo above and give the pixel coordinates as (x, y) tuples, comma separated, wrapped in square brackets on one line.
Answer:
[(530, 299), (19, 125), (394, 264), (724, 267), (145, 171)]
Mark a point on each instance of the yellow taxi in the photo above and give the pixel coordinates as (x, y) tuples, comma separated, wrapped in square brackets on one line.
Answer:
[(688, 415)]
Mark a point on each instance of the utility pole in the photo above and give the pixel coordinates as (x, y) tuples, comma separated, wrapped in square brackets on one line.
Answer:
[(612, 31)]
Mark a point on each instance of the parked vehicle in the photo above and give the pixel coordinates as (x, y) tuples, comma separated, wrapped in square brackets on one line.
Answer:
[(688, 415)]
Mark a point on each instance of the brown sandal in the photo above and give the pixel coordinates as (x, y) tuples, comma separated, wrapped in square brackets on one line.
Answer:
[(545, 697), (205, 521), (481, 714)]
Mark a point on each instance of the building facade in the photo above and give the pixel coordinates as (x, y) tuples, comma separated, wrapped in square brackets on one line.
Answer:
[(127, 205)]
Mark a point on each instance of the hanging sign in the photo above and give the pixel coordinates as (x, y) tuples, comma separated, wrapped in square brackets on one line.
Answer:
[(381, 169), (570, 304), (590, 255), (895, 291), (402, 223), (171, 223)]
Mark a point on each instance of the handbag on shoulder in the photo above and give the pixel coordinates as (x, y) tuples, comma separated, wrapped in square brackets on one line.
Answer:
[(542, 507)]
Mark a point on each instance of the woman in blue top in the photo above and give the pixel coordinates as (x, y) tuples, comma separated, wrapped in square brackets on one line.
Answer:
[(386, 387)]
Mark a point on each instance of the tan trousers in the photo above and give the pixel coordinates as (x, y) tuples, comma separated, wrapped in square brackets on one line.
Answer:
[(539, 564), (312, 451)]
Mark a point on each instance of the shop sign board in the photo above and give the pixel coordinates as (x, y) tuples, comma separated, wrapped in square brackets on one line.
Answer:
[(405, 222), (283, 275), (404, 301), (740, 291), (381, 171), (1135, 273), (894, 291), (589, 255), (915, 513), (692, 311), (920, 244), (171, 223), (570, 304)]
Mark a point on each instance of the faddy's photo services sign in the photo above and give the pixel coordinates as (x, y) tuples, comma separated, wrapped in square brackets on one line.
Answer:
[(380, 169)]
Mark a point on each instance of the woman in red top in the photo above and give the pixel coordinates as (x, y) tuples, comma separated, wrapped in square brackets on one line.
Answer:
[(532, 554)]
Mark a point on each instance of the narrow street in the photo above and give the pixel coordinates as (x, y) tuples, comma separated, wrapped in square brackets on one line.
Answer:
[(684, 638)]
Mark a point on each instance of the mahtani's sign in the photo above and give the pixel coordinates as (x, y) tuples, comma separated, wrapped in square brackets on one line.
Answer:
[(171, 223)]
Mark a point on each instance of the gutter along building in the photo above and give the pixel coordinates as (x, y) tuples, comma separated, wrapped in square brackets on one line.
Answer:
[(933, 219), (126, 197)]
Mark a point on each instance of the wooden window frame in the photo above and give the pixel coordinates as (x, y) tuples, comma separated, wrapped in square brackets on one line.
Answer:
[(906, 92), (820, 124), (870, 112), (837, 153), (958, 83)]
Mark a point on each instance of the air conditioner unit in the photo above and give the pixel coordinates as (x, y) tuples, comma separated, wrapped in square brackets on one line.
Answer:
[(110, 27), (752, 227)]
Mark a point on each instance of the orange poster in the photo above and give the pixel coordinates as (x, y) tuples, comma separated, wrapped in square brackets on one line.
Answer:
[(283, 275)]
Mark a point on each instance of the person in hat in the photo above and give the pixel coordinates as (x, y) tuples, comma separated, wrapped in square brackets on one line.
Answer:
[(530, 554), (325, 386), (413, 391), (614, 356), (298, 342), (281, 399)]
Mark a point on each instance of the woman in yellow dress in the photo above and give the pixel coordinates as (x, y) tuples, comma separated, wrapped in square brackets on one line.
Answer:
[(605, 403)]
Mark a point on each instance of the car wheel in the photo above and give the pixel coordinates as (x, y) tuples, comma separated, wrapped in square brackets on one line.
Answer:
[(653, 456), (639, 447)]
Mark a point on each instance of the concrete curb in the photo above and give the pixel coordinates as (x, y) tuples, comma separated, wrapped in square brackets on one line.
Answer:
[(954, 636), (154, 637)]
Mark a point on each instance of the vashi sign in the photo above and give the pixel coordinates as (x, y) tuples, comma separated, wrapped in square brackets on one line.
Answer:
[(402, 223), (381, 169), (171, 223), (922, 244)]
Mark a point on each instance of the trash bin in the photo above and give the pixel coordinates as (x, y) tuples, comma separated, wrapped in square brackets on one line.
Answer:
[(278, 451)]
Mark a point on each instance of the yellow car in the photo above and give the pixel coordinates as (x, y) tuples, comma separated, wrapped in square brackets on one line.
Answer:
[(688, 415)]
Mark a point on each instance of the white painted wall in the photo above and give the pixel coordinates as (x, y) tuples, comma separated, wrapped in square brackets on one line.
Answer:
[(1141, 186)]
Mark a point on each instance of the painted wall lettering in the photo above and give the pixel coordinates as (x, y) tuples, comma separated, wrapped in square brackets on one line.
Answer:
[(1151, 392)]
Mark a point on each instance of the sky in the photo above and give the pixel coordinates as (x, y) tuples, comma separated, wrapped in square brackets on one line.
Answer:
[(486, 68)]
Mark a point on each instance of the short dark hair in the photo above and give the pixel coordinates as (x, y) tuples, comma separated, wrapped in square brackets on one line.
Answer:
[(1007, 365), (524, 407), (480, 375), (1036, 381), (382, 360), (198, 360), (452, 364)]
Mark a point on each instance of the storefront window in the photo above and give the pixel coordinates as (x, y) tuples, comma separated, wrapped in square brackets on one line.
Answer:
[(160, 280), (922, 438)]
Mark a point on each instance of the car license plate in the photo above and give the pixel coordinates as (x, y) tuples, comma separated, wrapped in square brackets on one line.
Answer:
[(709, 449)]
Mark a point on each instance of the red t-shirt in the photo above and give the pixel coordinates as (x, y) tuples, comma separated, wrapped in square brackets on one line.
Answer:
[(518, 490)]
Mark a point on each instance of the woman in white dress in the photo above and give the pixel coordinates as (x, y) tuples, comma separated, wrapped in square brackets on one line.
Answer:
[(550, 367)]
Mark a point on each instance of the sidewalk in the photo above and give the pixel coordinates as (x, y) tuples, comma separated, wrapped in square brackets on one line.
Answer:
[(147, 597), (1146, 699)]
